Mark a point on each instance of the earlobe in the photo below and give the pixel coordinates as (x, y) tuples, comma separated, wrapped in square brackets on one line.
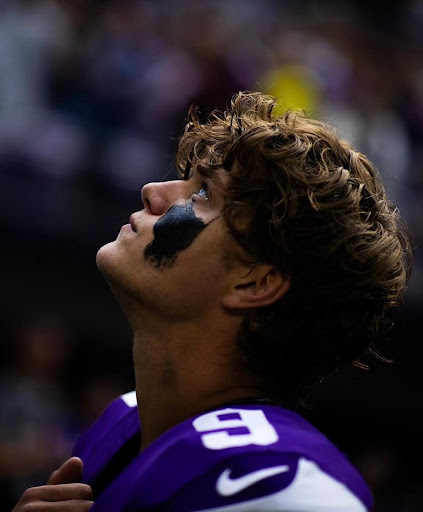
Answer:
[(264, 285)]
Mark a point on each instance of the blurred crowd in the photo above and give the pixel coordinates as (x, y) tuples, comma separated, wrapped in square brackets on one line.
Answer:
[(96, 92), (93, 97)]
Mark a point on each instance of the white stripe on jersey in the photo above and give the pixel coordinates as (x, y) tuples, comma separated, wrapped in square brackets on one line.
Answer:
[(312, 490), (130, 398)]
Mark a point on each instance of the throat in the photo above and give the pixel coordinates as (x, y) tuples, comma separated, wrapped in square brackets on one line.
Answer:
[(174, 406), (179, 377)]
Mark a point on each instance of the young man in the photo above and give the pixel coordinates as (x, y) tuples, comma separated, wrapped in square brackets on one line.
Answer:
[(267, 266)]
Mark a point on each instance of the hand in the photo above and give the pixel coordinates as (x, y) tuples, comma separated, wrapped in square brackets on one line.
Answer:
[(63, 492)]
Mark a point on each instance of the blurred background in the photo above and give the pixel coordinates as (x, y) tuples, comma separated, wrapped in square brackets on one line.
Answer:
[(93, 97)]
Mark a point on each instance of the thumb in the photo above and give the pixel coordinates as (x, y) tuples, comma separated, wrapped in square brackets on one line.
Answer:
[(69, 472)]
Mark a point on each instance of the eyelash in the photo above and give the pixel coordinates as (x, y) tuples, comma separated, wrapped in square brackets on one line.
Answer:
[(205, 187)]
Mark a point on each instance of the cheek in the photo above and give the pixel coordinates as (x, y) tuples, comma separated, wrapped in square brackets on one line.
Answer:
[(174, 232), (197, 279)]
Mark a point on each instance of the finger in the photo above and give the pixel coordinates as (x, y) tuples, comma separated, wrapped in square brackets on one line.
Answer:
[(59, 492), (69, 472), (62, 506), (73, 506)]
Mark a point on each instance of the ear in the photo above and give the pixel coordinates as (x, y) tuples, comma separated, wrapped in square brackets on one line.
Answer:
[(262, 286)]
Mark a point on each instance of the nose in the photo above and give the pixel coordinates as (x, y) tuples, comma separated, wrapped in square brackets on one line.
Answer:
[(158, 197)]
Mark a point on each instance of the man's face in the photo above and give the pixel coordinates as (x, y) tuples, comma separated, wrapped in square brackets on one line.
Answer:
[(171, 256)]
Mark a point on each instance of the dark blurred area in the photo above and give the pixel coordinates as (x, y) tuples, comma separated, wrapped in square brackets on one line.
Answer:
[(93, 97)]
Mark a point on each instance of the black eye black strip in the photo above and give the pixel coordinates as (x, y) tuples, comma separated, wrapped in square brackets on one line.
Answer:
[(174, 232)]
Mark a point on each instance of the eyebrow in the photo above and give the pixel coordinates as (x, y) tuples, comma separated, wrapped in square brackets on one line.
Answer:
[(210, 173)]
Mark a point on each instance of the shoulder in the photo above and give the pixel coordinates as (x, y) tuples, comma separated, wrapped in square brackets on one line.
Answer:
[(116, 412), (249, 458), (115, 426), (278, 482)]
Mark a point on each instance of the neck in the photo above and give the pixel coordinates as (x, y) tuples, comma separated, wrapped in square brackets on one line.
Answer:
[(184, 370)]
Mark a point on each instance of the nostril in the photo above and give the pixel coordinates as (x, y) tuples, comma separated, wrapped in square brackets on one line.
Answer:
[(154, 198), (147, 204), (159, 196), (145, 199)]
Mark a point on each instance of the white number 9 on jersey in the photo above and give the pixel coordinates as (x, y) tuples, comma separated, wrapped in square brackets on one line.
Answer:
[(256, 429)]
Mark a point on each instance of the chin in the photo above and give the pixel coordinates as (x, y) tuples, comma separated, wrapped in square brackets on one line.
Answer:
[(106, 258), (115, 269)]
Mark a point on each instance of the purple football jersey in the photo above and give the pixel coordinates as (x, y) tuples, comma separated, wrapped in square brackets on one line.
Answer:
[(241, 457)]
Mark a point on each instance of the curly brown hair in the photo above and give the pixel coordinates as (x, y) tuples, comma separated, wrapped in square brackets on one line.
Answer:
[(304, 200)]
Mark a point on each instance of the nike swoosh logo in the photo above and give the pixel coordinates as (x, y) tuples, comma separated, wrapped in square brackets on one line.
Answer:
[(226, 486)]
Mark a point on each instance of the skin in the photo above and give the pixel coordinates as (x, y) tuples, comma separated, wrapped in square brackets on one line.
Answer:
[(185, 315), (185, 302), (62, 493)]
